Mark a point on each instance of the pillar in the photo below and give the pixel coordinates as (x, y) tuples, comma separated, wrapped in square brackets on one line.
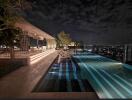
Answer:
[(24, 43)]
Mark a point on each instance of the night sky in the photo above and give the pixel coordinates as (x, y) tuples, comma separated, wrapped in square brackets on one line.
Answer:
[(92, 21)]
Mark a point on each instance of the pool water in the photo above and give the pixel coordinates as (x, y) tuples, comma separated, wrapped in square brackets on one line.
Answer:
[(65, 76), (88, 72), (109, 78)]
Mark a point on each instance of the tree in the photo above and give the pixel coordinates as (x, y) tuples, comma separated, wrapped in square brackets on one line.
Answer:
[(10, 38), (9, 14), (58, 43), (10, 11), (64, 38)]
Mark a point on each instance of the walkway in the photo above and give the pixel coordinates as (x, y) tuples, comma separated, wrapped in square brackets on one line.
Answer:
[(21, 82)]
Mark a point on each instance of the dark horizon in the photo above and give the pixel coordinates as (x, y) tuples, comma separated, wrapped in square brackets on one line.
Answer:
[(91, 21)]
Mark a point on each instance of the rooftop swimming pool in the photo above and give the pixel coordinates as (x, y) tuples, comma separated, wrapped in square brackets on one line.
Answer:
[(87, 72), (65, 76), (109, 78)]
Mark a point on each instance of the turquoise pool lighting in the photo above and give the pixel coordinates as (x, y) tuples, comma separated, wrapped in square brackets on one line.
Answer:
[(109, 78), (64, 77)]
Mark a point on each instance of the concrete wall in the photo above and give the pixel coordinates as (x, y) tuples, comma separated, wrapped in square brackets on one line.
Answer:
[(35, 58), (51, 44)]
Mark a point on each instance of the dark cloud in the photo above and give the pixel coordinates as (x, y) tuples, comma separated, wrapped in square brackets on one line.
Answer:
[(94, 21)]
